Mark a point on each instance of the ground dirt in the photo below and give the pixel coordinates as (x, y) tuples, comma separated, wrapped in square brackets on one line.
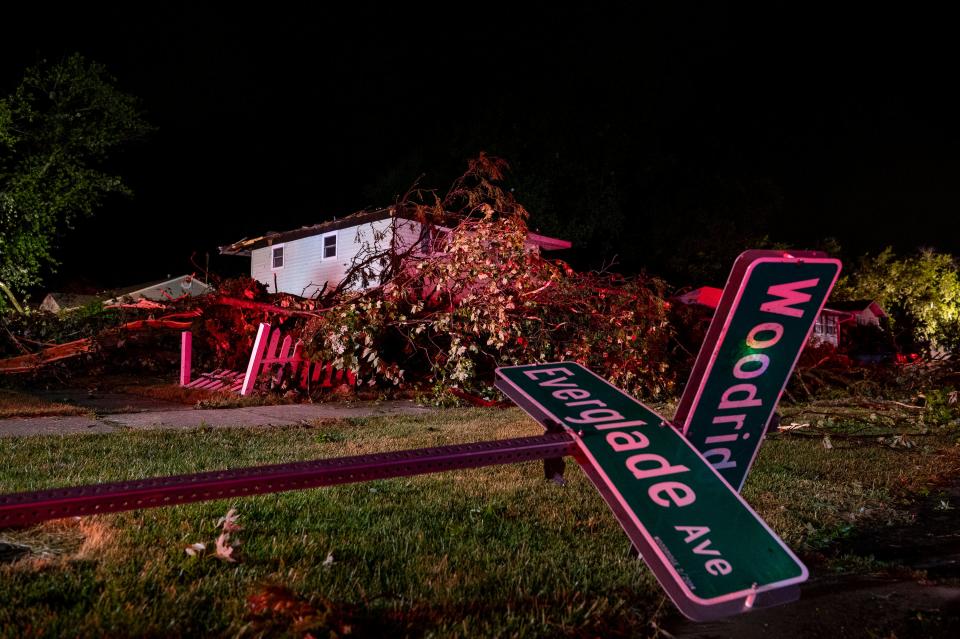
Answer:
[(108, 402)]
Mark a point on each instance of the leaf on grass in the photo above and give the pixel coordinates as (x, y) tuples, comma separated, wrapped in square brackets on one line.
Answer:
[(329, 560), (195, 549), (827, 443), (224, 549), (229, 521)]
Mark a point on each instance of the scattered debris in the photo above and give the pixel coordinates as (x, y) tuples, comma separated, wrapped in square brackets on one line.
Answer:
[(896, 441), (277, 610)]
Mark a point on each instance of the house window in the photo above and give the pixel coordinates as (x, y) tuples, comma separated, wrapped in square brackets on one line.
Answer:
[(277, 254), (330, 245), (433, 240), (426, 242), (831, 326)]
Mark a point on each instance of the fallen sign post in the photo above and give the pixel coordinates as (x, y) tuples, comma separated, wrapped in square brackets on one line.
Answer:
[(764, 319), (709, 550)]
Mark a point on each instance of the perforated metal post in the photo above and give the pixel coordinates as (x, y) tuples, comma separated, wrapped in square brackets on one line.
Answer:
[(22, 509)]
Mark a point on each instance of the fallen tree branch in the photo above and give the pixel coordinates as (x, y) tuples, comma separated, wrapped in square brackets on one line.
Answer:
[(477, 401), (262, 306), (26, 363), (817, 433)]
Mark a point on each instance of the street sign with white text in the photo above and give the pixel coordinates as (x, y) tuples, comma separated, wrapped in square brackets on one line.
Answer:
[(710, 551), (763, 321)]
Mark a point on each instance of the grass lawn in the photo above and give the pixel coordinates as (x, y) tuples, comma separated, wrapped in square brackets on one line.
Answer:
[(486, 552)]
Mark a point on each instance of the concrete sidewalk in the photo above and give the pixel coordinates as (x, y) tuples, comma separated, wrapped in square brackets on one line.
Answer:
[(285, 415)]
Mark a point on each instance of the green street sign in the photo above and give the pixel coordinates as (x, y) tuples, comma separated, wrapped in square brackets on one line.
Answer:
[(710, 551), (764, 319)]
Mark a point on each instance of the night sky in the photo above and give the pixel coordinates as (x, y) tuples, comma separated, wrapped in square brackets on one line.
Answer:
[(628, 129)]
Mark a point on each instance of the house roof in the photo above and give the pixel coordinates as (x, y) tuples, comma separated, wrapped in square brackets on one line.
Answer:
[(708, 296), (548, 243), (115, 293), (857, 306), (133, 290), (68, 301), (246, 245)]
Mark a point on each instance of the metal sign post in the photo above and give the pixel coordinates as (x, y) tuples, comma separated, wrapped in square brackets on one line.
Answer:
[(764, 319), (25, 509), (710, 551)]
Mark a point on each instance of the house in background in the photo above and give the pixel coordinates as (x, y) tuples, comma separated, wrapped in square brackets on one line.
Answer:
[(827, 326), (861, 312), (158, 291), (303, 261)]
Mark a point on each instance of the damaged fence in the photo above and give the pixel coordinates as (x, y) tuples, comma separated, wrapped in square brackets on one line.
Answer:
[(273, 354)]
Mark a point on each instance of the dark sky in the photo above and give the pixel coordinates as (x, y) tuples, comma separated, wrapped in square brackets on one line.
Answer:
[(269, 118)]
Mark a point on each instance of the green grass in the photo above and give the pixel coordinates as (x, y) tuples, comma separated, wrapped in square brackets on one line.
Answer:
[(484, 552)]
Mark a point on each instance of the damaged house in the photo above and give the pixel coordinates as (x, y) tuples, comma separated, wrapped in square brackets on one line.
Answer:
[(317, 258), (826, 329)]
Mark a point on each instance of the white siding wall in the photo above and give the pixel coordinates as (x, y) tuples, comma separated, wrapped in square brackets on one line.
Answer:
[(304, 270), (408, 232)]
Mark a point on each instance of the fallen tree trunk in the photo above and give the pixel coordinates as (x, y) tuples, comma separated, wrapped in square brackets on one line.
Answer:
[(262, 306), (27, 363), (57, 352)]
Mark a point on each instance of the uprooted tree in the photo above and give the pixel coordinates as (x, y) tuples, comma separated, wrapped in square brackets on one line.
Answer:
[(470, 293)]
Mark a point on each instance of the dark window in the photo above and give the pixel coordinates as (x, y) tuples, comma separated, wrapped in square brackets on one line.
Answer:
[(277, 257), (433, 240), (831, 328), (329, 245)]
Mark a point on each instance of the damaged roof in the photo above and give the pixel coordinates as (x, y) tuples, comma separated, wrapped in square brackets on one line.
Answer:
[(856, 306), (244, 246)]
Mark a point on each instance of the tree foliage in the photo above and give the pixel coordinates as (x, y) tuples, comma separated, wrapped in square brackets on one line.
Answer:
[(56, 130), (921, 293)]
